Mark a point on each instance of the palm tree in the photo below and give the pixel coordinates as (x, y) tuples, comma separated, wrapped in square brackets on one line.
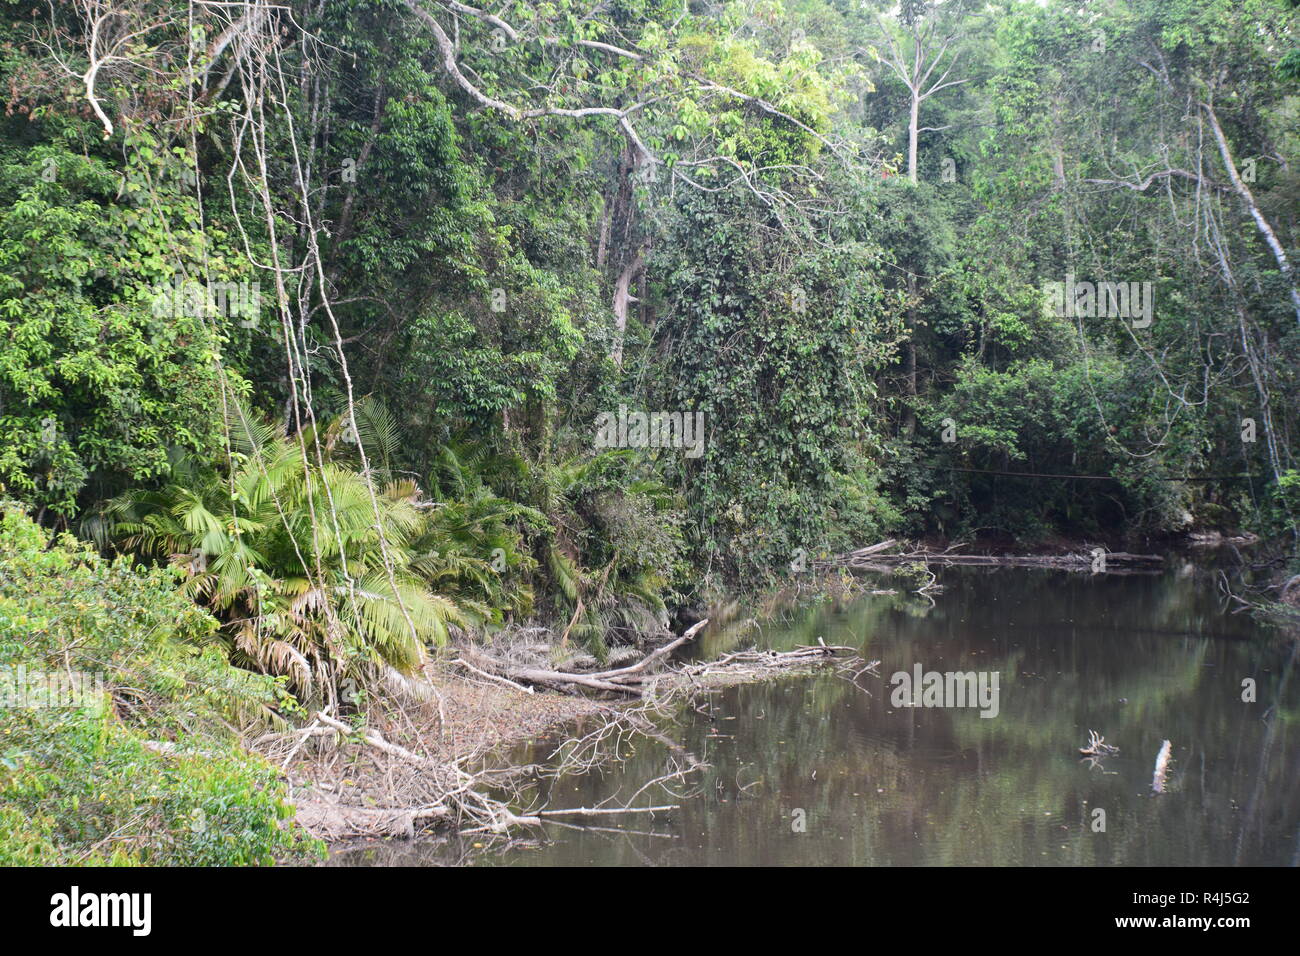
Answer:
[(316, 573), (596, 521)]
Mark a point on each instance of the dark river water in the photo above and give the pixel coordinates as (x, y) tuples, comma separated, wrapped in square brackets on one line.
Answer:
[(815, 771)]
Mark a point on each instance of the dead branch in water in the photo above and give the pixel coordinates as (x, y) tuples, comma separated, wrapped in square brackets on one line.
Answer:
[(1162, 767), (757, 662), (1097, 746), (875, 558), (450, 793), (477, 794), (644, 678)]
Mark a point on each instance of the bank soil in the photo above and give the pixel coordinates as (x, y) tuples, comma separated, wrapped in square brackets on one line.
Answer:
[(442, 761)]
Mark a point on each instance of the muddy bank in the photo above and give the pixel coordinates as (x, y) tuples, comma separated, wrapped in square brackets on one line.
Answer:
[(390, 775), (442, 762)]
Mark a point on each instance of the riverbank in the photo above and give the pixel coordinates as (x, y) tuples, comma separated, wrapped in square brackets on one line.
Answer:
[(443, 762), (366, 780)]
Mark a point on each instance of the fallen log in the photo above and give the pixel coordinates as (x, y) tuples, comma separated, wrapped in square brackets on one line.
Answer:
[(600, 811), (626, 673), (495, 677), (374, 739), (538, 675), (619, 680), (874, 548), (327, 820), (641, 678), (873, 559)]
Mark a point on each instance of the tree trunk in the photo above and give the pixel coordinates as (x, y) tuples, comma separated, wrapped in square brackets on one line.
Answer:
[(909, 358), (622, 298), (913, 124), (1242, 190)]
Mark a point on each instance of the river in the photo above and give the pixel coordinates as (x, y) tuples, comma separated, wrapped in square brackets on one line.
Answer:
[(817, 771)]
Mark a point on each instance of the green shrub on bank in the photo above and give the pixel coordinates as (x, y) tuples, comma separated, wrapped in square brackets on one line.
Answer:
[(117, 720)]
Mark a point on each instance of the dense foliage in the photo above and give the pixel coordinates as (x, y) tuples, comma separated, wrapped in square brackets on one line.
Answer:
[(136, 761), (322, 305)]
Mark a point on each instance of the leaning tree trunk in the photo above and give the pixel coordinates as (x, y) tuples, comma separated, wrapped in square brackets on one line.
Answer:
[(1247, 197)]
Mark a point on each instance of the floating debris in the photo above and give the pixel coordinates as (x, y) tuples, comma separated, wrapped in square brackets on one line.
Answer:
[(1097, 746)]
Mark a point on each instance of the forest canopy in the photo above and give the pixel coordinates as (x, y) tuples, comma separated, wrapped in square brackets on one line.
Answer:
[(318, 303)]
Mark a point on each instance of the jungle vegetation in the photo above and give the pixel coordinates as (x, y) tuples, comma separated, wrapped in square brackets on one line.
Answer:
[(308, 309)]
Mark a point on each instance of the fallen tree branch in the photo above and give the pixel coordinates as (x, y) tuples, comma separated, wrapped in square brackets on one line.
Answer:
[(619, 680), (1162, 767), (373, 738), (1097, 746), (539, 675), (594, 811), (873, 558), (642, 678), (625, 672), (496, 677)]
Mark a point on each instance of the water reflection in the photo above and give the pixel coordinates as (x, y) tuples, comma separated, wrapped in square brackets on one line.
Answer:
[(1139, 659)]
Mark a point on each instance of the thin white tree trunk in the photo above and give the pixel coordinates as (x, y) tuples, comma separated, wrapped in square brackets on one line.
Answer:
[(1242, 190), (913, 124)]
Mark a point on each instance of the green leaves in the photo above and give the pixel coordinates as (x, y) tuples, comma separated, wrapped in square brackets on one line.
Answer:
[(94, 384), (773, 337), (125, 784), (314, 574)]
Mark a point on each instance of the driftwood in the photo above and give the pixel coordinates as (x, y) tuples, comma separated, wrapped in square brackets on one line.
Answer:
[(619, 680), (328, 819), (600, 811), (757, 661), (1215, 539), (456, 795), (645, 678), (875, 558), (1097, 746), (875, 548), (494, 677), (539, 675)]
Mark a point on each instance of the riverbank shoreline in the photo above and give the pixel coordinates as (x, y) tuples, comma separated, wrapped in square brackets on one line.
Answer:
[(342, 786), (449, 762)]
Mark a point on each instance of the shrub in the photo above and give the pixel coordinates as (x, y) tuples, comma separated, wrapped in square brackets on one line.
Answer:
[(143, 766)]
